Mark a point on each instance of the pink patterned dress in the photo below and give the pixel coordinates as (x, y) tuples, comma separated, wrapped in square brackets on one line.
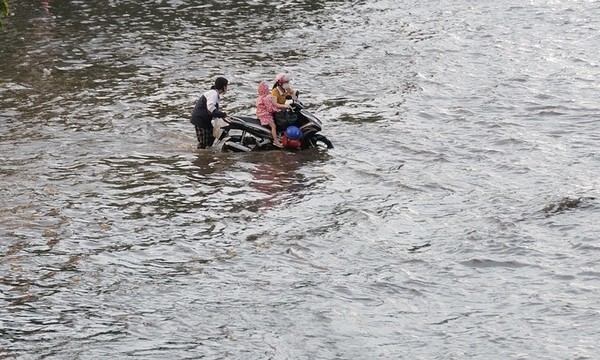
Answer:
[(264, 107)]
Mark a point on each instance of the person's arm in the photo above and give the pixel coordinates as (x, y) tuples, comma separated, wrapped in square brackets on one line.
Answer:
[(212, 101), (278, 105), (293, 93)]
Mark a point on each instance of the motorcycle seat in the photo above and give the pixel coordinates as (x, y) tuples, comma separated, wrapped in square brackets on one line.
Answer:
[(249, 119)]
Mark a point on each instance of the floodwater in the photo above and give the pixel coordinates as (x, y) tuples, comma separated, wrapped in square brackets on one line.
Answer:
[(456, 217)]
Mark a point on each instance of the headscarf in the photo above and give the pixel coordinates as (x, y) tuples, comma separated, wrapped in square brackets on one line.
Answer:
[(263, 89)]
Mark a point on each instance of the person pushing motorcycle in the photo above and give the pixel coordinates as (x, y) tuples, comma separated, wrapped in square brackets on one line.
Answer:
[(207, 108)]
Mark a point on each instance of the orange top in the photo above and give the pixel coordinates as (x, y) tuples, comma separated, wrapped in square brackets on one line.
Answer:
[(281, 96)]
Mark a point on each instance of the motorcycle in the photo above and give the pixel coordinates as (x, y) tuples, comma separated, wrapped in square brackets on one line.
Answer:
[(245, 133)]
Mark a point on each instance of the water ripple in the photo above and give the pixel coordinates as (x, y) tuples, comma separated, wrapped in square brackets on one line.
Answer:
[(459, 202)]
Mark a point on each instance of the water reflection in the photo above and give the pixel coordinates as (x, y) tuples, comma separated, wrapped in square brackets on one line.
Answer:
[(278, 180), (269, 179)]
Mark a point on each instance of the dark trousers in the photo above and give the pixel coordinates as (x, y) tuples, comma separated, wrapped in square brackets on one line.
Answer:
[(205, 137)]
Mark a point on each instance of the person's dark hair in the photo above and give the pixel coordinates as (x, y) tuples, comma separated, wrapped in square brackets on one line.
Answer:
[(220, 83), (276, 84)]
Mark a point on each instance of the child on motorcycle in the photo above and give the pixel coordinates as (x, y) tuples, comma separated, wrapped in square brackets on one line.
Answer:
[(266, 107)]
